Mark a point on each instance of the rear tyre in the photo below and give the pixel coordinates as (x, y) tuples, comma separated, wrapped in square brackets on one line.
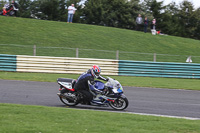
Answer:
[(119, 104), (69, 102)]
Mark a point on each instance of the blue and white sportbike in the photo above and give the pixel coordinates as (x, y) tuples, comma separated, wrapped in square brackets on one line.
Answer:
[(112, 94)]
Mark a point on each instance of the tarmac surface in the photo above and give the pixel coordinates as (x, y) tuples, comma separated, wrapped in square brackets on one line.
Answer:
[(145, 101)]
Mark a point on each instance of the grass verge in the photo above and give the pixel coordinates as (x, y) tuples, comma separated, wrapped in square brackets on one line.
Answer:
[(172, 83), (40, 119), (61, 36)]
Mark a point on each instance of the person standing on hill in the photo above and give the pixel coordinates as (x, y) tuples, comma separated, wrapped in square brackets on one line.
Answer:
[(71, 12), (146, 22), (139, 22), (153, 24), (153, 27), (15, 7)]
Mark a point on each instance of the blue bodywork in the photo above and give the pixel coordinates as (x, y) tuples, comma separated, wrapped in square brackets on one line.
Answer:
[(99, 85)]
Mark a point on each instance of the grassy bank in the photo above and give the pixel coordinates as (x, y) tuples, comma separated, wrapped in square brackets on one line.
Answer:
[(40, 119), (43, 34), (172, 83)]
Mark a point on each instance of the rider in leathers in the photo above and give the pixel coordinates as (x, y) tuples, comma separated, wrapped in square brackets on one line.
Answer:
[(82, 83)]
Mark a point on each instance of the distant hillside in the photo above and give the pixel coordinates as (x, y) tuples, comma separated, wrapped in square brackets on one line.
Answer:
[(29, 32)]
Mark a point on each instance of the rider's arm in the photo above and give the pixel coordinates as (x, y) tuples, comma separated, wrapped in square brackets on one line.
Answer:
[(92, 87), (102, 78)]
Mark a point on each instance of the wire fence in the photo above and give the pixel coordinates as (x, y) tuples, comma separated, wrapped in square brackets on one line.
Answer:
[(92, 53)]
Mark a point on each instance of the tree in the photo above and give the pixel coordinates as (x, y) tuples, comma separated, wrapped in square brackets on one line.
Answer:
[(62, 13), (51, 9), (36, 11), (24, 8), (117, 13), (114, 13), (145, 7), (197, 25), (157, 8), (2, 3), (135, 9), (187, 19), (170, 20), (93, 12)]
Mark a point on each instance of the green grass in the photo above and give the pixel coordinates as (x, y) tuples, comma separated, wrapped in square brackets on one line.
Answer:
[(172, 83), (40, 119), (29, 32)]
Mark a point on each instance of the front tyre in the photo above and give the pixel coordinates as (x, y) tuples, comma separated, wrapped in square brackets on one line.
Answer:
[(120, 104)]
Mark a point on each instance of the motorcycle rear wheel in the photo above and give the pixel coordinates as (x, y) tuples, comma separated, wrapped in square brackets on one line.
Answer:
[(119, 104), (68, 102)]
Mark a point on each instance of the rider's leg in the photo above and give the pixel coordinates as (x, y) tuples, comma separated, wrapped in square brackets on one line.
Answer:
[(87, 96)]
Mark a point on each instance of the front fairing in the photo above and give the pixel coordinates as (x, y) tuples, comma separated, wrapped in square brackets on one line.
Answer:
[(115, 91), (115, 85), (115, 88)]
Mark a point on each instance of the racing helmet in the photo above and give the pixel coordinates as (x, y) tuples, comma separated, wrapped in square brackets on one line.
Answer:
[(95, 71)]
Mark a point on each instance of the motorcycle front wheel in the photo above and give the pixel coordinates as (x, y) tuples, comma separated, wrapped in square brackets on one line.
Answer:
[(119, 104)]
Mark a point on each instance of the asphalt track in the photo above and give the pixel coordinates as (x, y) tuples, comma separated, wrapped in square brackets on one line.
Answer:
[(155, 101)]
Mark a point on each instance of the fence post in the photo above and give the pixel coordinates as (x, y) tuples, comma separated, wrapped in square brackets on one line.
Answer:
[(34, 50), (154, 57), (76, 52), (117, 55)]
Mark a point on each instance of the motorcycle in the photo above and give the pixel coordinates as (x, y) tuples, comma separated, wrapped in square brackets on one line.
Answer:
[(112, 94)]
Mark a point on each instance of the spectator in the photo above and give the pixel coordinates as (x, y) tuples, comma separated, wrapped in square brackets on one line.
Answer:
[(4, 12), (146, 22), (153, 27), (71, 12), (15, 7), (139, 22), (153, 24)]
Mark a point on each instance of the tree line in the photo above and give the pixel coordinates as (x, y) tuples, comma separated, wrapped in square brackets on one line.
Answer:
[(174, 19)]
